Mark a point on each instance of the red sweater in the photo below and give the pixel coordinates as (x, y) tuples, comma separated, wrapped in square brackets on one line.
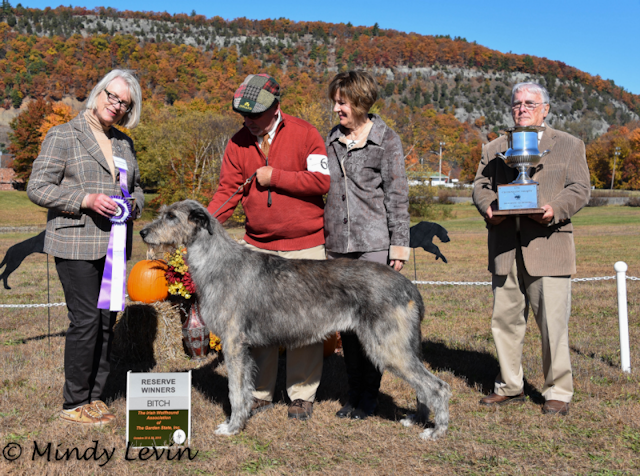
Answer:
[(300, 177)]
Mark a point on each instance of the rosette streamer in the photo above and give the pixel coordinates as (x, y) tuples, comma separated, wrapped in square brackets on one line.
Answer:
[(114, 278)]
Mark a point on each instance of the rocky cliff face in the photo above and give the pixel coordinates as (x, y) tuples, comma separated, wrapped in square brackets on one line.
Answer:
[(479, 96)]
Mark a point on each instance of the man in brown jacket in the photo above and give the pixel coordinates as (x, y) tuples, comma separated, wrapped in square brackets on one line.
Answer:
[(532, 257)]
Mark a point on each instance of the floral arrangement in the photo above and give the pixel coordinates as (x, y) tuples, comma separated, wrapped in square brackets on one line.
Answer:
[(181, 284), (177, 274), (214, 342)]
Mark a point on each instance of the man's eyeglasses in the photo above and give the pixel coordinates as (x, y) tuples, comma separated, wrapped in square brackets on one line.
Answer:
[(115, 101), (529, 106)]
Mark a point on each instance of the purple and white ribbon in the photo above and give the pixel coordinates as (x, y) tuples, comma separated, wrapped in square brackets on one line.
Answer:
[(114, 277)]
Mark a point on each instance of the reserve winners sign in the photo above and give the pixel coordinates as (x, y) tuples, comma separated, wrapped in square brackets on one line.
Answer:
[(158, 409)]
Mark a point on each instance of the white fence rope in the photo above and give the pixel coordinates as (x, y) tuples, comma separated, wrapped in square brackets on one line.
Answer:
[(23, 306), (433, 283), (488, 283)]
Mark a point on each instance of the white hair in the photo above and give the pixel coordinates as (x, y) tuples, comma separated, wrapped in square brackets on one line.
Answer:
[(131, 118), (533, 88)]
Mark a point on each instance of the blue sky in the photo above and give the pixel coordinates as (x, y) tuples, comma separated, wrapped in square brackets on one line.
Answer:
[(601, 38)]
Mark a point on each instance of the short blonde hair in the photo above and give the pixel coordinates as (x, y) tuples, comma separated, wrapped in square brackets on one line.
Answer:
[(131, 118), (358, 88)]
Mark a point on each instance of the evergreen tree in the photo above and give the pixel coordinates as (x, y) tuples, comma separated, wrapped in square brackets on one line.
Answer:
[(6, 9), (16, 98), (389, 89)]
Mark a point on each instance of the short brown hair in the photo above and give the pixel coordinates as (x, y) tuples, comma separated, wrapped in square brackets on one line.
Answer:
[(358, 88)]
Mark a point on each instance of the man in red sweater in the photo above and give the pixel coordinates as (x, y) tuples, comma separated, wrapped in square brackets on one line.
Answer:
[(285, 215)]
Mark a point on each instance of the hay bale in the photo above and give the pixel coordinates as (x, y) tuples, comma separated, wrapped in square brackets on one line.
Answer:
[(148, 332)]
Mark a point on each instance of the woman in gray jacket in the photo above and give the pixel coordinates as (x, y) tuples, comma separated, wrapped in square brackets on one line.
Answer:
[(366, 216), (87, 176)]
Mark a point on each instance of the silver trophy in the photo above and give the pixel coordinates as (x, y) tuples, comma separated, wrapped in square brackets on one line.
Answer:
[(521, 195)]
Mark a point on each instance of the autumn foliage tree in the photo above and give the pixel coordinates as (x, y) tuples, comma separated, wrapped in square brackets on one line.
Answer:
[(631, 164), (601, 157), (27, 137), (180, 149), (60, 114), (187, 88)]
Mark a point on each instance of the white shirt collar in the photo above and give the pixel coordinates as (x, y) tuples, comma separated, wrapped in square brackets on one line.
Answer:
[(272, 132), (542, 131)]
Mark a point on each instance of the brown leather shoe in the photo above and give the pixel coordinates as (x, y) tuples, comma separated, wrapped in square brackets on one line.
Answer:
[(103, 409), (85, 415), (300, 410), (260, 406), (555, 407), (495, 399)]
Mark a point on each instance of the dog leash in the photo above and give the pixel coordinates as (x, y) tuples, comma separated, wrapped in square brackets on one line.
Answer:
[(246, 182)]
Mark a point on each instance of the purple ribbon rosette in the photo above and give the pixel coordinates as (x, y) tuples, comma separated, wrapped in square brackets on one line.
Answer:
[(114, 277)]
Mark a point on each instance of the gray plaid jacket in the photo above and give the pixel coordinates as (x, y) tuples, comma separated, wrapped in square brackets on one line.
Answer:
[(367, 205), (69, 167)]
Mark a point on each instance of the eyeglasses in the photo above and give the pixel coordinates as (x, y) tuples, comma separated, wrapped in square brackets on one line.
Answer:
[(115, 101), (529, 106)]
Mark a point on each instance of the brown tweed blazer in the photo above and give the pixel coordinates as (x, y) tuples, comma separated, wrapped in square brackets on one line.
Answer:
[(563, 175), (69, 167)]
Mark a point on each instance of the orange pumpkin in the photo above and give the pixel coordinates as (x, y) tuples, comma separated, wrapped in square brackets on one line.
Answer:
[(146, 281)]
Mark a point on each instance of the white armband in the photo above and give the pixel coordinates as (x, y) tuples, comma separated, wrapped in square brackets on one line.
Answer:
[(318, 163)]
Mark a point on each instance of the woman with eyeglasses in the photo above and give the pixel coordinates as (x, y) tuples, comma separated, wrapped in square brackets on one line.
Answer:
[(366, 216), (88, 178)]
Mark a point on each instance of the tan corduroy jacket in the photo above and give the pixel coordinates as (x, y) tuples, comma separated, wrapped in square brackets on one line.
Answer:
[(563, 175), (70, 166)]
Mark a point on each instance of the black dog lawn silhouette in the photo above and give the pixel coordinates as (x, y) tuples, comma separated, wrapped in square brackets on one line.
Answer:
[(421, 235), (18, 252)]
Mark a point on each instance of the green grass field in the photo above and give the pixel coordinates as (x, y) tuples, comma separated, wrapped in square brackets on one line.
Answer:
[(601, 434)]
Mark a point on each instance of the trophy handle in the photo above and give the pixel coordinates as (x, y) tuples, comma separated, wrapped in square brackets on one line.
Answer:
[(545, 153), (498, 154)]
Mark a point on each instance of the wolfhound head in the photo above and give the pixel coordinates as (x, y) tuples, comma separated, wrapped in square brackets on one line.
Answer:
[(177, 224)]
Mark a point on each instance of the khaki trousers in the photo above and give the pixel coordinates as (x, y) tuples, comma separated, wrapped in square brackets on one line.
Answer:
[(304, 364), (550, 300)]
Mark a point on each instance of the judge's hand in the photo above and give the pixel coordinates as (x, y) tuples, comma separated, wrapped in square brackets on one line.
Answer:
[(546, 217), (396, 264), (263, 175), (493, 220), (100, 203)]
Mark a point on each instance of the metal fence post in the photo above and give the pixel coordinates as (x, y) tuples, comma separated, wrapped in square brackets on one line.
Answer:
[(623, 318)]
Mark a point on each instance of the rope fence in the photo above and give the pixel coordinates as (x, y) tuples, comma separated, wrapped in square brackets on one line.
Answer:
[(431, 283), (621, 279)]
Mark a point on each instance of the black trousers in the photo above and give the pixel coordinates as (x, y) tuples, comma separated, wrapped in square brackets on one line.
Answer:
[(87, 351), (363, 376)]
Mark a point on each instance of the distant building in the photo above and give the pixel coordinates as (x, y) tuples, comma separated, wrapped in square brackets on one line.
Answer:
[(438, 180), (8, 179), (6, 160)]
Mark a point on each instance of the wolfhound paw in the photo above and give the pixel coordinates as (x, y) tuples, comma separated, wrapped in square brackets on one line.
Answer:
[(431, 434), (223, 429), (414, 419), (410, 420)]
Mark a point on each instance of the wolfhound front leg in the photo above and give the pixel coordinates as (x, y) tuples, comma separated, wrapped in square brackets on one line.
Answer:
[(240, 371)]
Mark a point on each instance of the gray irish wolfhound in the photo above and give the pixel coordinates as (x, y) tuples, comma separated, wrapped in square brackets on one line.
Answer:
[(252, 299)]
